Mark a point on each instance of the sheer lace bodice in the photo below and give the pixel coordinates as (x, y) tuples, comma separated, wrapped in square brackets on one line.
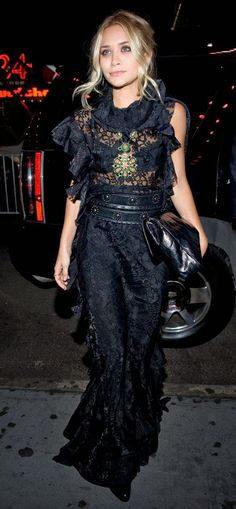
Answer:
[(93, 138)]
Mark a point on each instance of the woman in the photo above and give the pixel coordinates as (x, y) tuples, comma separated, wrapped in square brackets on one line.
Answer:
[(128, 162)]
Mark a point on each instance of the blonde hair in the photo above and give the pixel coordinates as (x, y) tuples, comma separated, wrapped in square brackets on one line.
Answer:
[(143, 45)]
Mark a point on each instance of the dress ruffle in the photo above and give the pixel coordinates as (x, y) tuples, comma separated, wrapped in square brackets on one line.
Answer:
[(68, 135), (108, 445), (72, 139)]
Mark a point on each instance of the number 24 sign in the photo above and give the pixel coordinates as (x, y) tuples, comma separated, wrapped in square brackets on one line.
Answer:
[(16, 70)]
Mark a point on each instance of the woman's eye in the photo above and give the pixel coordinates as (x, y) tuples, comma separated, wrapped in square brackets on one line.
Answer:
[(105, 52), (126, 49)]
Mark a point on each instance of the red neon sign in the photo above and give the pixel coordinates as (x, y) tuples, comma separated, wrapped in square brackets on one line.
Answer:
[(30, 93), (18, 70)]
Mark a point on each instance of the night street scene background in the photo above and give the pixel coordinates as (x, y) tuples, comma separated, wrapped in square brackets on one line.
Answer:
[(44, 361), (61, 35)]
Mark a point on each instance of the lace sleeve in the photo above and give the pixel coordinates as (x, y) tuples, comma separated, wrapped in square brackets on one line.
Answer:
[(69, 135)]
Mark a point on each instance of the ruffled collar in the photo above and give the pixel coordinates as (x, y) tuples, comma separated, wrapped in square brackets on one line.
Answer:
[(140, 114)]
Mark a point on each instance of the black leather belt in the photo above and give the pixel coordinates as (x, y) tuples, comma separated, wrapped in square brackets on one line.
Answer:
[(121, 214), (150, 200)]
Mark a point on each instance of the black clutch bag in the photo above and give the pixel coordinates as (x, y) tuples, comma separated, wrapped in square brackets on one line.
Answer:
[(175, 241)]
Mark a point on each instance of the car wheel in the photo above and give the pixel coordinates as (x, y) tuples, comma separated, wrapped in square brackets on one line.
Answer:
[(198, 310)]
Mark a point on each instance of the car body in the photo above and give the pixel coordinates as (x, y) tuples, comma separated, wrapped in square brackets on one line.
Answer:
[(201, 308)]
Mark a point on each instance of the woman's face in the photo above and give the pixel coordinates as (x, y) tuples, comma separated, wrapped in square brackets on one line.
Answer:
[(117, 62)]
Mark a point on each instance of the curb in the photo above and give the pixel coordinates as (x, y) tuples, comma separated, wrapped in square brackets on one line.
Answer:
[(170, 389)]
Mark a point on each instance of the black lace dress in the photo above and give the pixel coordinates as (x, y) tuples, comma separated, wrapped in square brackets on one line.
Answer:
[(120, 289)]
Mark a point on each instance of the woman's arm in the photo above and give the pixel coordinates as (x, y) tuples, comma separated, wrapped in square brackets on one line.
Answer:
[(67, 236), (182, 198)]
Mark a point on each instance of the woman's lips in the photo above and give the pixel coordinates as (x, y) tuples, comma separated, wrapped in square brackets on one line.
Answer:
[(117, 73)]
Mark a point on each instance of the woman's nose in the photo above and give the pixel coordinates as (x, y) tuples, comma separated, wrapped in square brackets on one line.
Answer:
[(115, 59)]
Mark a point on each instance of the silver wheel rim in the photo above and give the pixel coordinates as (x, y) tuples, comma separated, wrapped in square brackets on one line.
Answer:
[(186, 308)]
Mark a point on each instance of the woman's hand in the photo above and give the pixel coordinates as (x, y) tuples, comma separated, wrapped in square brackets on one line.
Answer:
[(68, 232), (61, 269)]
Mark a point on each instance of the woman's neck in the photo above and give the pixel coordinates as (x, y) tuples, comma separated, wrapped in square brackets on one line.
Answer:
[(123, 97)]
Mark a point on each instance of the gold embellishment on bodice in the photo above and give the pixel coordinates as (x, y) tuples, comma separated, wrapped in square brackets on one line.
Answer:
[(125, 163)]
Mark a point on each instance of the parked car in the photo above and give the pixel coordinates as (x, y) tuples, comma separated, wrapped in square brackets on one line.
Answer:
[(201, 308)]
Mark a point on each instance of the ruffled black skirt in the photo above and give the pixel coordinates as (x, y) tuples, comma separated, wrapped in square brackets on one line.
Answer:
[(116, 425)]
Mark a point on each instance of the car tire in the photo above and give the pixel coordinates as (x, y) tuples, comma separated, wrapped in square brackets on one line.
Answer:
[(200, 309)]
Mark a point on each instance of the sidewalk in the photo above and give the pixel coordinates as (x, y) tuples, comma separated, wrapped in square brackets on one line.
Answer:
[(194, 467)]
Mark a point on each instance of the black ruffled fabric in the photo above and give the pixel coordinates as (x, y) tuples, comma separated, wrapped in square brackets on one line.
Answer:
[(120, 291), (139, 115), (72, 139)]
